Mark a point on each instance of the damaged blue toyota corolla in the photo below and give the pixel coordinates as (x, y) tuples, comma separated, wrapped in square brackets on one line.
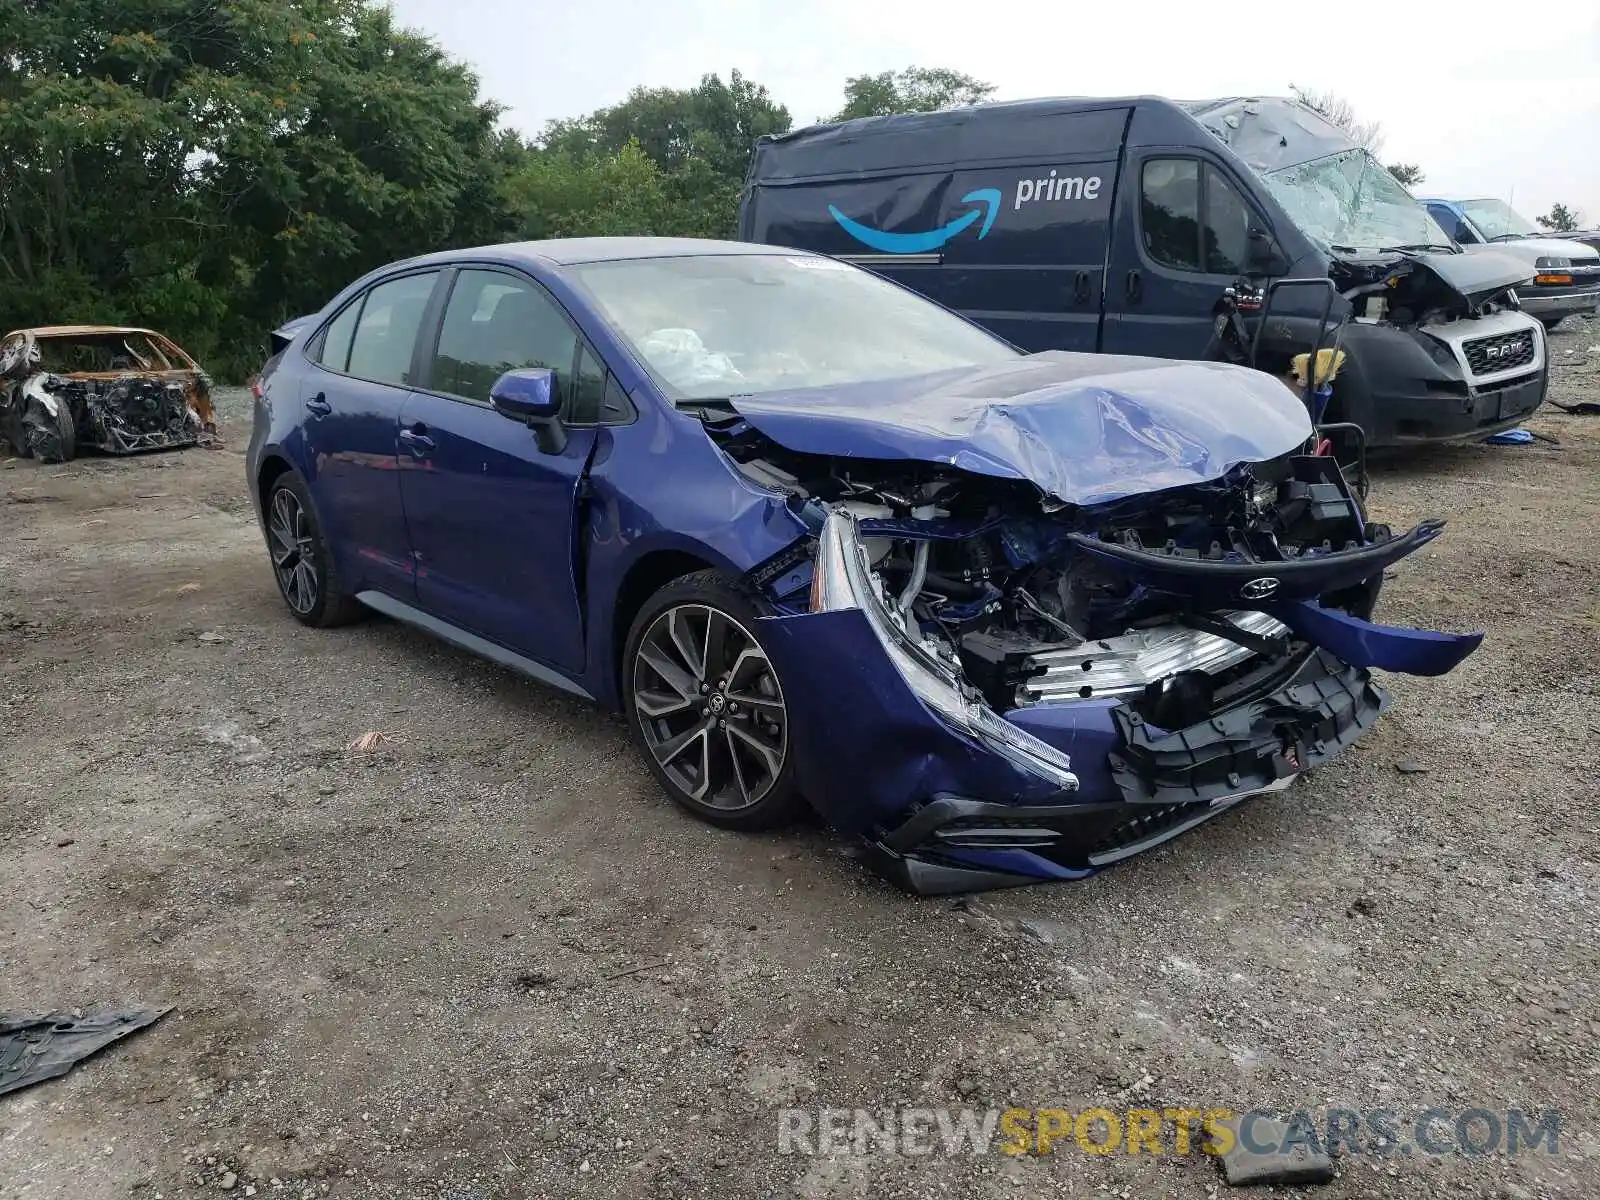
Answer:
[(1006, 617)]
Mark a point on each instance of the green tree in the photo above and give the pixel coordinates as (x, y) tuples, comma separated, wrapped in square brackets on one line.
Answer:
[(1409, 174), (699, 139), (915, 89), (211, 168), (1560, 219), (557, 194)]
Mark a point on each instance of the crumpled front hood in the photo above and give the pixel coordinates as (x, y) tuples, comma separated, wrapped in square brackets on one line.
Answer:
[(1085, 428), (1477, 276)]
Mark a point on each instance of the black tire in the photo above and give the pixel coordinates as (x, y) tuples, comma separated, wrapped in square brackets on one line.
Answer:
[(706, 705), (50, 437), (300, 559)]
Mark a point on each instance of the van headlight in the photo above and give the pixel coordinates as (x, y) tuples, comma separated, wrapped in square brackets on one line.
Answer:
[(843, 579)]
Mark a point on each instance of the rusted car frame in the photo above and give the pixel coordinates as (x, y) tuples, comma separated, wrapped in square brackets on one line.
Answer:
[(116, 388)]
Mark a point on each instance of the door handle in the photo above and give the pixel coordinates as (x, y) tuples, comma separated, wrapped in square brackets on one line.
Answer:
[(1080, 288), (415, 438), (1135, 287), (318, 405)]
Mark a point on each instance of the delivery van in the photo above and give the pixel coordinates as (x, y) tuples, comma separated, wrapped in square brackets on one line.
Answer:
[(1116, 226)]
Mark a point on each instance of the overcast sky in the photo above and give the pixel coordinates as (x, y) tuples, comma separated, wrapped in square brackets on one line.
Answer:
[(1490, 100)]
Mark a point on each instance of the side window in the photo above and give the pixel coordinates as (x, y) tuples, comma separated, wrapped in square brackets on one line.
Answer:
[(1451, 224), (334, 353), (386, 333), (496, 323), (617, 409), (588, 387), (1169, 211), (1227, 226)]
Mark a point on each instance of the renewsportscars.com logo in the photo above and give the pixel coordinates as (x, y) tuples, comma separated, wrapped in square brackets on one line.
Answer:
[(1053, 187), (1343, 1132)]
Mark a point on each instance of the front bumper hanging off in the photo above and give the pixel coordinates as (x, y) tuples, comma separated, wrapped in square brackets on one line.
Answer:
[(950, 796)]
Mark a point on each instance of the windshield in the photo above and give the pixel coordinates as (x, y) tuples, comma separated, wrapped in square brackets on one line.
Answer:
[(1496, 218), (101, 353), (1350, 200), (710, 326)]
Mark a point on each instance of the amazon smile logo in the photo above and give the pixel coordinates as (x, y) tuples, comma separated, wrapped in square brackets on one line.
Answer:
[(986, 202)]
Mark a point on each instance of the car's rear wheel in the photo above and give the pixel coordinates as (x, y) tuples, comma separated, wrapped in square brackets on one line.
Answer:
[(707, 705), (301, 561)]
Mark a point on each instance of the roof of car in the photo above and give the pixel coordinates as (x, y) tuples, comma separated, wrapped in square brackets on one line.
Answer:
[(572, 251), (77, 330)]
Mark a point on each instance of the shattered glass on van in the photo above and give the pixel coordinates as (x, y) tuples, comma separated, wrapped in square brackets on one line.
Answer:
[(1332, 188)]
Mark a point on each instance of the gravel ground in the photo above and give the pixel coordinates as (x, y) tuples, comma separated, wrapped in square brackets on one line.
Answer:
[(490, 960)]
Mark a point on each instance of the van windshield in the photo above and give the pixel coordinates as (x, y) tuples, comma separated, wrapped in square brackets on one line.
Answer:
[(1350, 201), (710, 326), (1497, 219)]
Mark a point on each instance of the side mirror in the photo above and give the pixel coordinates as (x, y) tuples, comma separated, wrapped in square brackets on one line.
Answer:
[(1264, 257), (529, 396)]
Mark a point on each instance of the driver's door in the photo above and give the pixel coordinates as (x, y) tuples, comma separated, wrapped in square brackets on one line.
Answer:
[(491, 516), (1181, 236)]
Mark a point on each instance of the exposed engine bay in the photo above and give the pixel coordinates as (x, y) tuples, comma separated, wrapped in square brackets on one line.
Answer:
[(1015, 593)]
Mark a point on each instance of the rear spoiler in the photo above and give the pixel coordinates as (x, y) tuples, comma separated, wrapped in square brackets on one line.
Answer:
[(278, 340)]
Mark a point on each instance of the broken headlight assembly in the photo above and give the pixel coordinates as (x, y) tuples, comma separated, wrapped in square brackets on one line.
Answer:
[(843, 579)]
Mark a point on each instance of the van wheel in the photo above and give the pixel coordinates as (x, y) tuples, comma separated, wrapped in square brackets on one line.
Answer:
[(707, 705)]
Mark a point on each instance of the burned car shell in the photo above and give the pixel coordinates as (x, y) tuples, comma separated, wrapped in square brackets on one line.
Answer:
[(891, 531), (162, 402)]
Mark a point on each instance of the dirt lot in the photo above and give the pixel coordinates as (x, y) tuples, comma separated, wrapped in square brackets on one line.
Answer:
[(489, 959)]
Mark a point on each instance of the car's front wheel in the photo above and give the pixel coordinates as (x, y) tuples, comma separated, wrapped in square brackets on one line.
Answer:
[(707, 705), (301, 560)]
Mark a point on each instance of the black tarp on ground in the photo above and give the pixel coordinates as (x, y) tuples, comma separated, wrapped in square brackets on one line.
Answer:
[(36, 1048)]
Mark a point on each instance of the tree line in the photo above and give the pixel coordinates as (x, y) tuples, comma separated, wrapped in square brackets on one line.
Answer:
[(213, 167)]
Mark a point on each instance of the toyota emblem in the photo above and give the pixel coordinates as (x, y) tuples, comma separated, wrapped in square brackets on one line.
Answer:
[(1259, 589)]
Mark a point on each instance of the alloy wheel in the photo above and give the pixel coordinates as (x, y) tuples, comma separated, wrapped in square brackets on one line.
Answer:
[(710, 707), (291, 544)]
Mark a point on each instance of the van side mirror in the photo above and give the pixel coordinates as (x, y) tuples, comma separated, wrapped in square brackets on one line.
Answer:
[(1263, 256), (530, 396)]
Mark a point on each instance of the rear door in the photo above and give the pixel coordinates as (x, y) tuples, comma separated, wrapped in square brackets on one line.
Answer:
[(492, 518), (1181, 236), (362, 371)]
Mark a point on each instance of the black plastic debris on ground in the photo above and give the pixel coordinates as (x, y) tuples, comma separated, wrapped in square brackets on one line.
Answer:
[(33, 1049)]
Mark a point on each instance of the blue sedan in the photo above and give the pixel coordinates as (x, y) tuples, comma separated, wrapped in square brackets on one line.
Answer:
[(1004, 617)]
